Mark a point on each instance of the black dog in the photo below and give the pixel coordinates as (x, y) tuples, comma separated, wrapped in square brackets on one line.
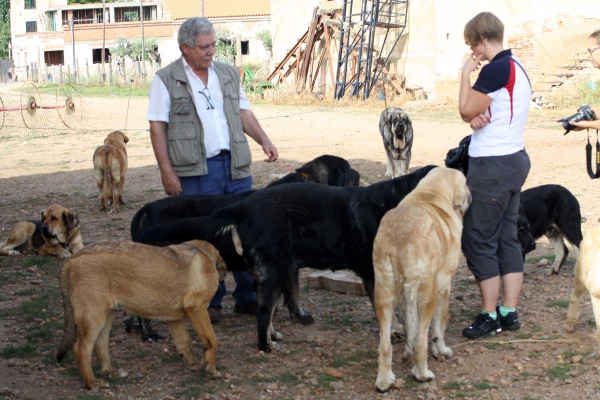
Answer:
[(326, 169), (553, 211), (281, 229)]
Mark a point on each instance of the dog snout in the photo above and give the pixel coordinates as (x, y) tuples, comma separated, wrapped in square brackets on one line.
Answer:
[(46, 230)]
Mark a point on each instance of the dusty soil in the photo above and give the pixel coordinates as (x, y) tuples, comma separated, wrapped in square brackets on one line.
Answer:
[(337, 356)]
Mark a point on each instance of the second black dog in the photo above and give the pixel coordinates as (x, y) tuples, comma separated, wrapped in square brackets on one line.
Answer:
[(553, 211)]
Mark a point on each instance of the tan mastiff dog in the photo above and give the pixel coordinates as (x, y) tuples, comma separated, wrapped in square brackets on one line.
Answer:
[(587, 277), (172, 283), (57, 233), (110, 166), (415, 255)]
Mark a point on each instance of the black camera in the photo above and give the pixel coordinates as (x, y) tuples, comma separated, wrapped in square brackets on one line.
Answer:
[(584, 113)]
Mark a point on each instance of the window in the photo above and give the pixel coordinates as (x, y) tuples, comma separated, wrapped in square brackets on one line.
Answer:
[(149, 13), (65, 17), (51, 20), (56, 57), (245, 48), (29, 4), (127, 14), (30, 26), (84, 16), (97, 55)]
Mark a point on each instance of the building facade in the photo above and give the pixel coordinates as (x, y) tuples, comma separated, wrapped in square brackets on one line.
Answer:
[(50, 33)]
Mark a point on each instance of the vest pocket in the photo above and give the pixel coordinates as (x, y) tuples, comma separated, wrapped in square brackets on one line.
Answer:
[(183, 144), (240, 152)]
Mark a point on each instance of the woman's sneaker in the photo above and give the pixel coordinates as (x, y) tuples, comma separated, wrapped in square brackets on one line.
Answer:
[(483, 326), (510, 322)]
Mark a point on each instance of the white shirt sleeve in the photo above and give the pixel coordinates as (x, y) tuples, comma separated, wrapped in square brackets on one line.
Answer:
[(244, 102), (160, 102)]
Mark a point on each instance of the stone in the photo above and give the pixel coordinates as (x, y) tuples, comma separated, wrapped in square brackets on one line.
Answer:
[(334, 372), (340, 281), (337, 385)]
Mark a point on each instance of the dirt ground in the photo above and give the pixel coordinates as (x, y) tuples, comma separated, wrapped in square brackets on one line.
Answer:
[(336, 358)]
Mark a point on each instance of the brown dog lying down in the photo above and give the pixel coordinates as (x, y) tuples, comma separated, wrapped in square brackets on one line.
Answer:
[(415, 255), (587, 277), (110, 166), (57, 233), (170, 283)]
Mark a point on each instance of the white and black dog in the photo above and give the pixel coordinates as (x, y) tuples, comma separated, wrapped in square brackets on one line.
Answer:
[(397, 133)]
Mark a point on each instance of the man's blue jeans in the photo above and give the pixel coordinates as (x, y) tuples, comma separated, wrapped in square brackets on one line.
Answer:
[(218, 181)]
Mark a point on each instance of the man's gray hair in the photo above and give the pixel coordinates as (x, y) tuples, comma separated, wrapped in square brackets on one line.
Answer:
[(193, 27)]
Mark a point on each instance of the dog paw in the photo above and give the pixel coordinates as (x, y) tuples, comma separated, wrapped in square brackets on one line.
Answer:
[(305, 319), (13, 252), (110, 373), (423, 376), (444, 351), (384, 383), (570, 326), (214, 374), (97, 383), (152, 337), (194, 365)]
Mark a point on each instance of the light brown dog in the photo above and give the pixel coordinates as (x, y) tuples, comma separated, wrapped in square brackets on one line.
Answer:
[(57, 233), (415, 255), (587, 277), (170, 283), (110, 166)]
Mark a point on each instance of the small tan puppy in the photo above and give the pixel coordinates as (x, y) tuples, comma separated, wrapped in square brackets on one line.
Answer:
[(172, 283), (110, 166), (57, 233), (415, 255), (587, 277)]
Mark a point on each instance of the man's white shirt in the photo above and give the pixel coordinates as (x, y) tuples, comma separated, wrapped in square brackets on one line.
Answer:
[(214, 122)]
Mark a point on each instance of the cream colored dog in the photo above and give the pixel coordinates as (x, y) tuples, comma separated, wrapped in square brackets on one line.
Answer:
[(110, 166), (587, 277), (170, 283), (415, 255)]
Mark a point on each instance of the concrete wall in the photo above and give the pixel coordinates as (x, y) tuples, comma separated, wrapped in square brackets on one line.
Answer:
[(544, 34)]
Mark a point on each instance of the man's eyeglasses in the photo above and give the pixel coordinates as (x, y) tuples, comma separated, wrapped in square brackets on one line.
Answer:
[(593, 49), (209, 101)]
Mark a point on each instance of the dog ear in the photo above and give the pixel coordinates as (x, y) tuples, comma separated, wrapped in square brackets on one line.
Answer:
[(70, 220), (42, 216), (125, 138)]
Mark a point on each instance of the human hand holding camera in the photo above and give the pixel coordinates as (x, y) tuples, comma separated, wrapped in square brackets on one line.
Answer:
[(584, 118)]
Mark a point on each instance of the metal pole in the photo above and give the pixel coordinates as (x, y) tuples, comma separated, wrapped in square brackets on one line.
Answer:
[(73, 39), (143, 42), (103, 38)]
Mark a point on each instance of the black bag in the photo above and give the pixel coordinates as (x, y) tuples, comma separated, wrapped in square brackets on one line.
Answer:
[(458, 158)]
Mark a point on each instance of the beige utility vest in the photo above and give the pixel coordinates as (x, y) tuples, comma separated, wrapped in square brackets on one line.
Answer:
[(185, 134)]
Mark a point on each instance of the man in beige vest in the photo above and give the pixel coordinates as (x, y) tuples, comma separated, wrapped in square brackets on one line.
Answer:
[(198, 114)]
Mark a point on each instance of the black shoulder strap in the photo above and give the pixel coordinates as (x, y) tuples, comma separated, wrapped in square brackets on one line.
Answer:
[(588, 157)]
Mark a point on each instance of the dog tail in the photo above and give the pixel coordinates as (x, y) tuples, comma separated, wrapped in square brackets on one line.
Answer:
[(70, 329), (203, 228), (108, 178)]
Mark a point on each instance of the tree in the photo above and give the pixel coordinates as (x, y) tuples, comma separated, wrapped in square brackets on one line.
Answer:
[(225, 48), (265, 37), (4, 28)]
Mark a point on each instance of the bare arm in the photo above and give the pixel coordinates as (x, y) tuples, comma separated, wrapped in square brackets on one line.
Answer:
[(471, 103), (169, 178), (587, 124), (253, 129)]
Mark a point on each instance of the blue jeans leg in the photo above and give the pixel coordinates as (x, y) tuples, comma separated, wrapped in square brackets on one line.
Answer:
[(218, 181), (244, 292), (218, 298)]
